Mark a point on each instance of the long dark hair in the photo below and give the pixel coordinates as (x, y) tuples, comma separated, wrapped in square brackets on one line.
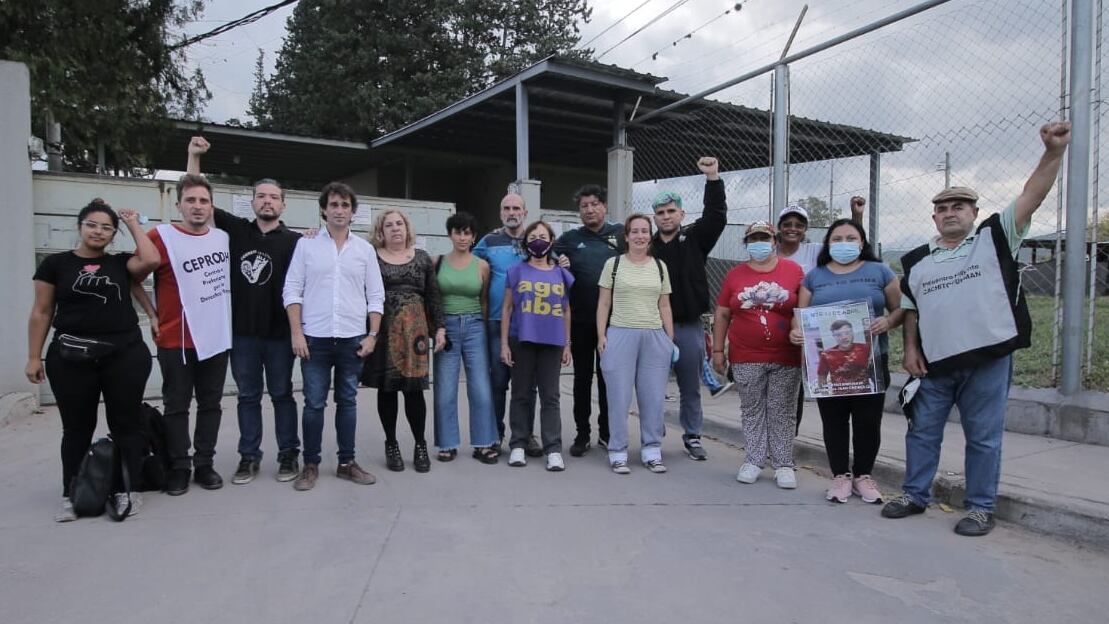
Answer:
[(867, 253)]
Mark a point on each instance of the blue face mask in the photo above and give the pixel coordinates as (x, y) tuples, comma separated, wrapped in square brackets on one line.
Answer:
[(759, 250), (844, 253)]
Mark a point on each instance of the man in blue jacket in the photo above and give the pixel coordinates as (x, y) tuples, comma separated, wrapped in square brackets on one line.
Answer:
[(587, 248)]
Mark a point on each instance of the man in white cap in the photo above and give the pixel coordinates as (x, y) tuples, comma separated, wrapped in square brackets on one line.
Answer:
[(965, 315)]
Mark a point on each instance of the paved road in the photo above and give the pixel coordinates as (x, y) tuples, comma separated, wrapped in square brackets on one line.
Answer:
[(476, 543)]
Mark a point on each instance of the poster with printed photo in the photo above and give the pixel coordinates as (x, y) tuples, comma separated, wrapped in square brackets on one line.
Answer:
[(839, 355)]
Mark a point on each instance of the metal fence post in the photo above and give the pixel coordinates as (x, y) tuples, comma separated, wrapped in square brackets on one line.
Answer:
[(875, 199), (1078, 191), (780, 153)]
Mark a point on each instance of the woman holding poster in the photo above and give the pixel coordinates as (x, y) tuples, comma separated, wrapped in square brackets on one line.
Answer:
[(755, 308), (848, 271)]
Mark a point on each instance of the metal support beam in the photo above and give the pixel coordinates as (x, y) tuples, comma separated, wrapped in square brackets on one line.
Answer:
[(522, 148), (780, 153), (874, 200), (1078, 193)]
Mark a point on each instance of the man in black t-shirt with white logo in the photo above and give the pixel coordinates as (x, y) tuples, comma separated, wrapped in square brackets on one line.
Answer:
[(260, 254)]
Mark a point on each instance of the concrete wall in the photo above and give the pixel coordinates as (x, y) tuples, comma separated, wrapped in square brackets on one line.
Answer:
[(57, 197), (15, 212)]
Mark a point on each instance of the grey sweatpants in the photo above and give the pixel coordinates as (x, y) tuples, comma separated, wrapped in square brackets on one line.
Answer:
[(636, 360)]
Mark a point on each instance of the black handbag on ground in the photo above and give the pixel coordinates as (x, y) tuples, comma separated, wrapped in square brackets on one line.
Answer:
[(91, 490)]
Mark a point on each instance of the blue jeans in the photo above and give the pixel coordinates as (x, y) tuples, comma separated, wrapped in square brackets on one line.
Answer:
[(466, 333), (250, 357), (325, 354), (981, 393)]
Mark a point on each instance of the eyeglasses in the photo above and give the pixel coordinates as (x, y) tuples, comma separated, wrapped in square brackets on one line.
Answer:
[(103, 227)]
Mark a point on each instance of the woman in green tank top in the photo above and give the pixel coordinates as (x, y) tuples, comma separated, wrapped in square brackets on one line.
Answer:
[(464, 285)]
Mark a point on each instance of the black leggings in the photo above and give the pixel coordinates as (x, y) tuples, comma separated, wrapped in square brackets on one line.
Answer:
[(121, 379), (855, 419), (415, 409)]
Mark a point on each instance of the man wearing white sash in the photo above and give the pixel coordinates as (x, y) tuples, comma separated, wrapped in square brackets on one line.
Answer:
[(192, 288), (965, 315)]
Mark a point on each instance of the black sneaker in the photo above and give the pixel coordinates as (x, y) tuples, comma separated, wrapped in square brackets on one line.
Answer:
[(534, 448), (975, 524), (177, 482), (247, 470), (901, 507), (288, 468), (579, 447), (693, 448), (207, 478)]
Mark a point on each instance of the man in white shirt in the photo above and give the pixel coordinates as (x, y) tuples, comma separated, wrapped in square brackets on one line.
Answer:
[(333, 285)]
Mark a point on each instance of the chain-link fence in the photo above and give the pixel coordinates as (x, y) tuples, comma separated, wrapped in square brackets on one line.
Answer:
[(951, 96)]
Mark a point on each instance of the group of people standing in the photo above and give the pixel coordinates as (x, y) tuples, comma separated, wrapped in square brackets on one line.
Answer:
[(513, 309)]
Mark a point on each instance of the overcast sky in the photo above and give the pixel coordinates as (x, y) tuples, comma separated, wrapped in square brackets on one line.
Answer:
[(973, 78)]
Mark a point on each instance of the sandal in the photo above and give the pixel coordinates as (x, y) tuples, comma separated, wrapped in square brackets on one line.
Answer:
[(446, 455), (485, 455)]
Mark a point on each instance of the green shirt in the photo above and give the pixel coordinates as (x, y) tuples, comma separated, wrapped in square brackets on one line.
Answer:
[(460, 288), (942, 254), (635, 295)]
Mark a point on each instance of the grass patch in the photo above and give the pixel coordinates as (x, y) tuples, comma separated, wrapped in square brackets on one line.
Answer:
[(1032, 367)]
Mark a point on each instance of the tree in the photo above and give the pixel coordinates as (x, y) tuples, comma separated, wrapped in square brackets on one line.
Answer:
[(360, 69), (820, 214), (103, 70), (256, 108)]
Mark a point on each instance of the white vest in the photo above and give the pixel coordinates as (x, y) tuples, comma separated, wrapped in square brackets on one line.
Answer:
[(202, 267)]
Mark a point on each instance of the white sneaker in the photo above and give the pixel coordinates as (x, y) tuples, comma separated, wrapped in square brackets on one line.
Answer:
[(655, 465), (786, 478), (517, 458), (120, 502), (65, 514), (621, 467), (748, 473), (554, 462)]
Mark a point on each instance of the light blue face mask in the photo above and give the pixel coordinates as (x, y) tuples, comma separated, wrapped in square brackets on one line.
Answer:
[(844, 253), (759, 250)]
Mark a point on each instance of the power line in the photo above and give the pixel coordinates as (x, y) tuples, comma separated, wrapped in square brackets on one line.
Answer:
[(656, 18), (233, 24), (689, 35), (614, 24)]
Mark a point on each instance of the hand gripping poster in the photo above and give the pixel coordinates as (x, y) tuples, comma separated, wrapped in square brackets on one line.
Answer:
[(839, 354)]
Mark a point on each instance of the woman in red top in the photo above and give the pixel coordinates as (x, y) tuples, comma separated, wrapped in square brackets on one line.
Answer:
[(755, 308)]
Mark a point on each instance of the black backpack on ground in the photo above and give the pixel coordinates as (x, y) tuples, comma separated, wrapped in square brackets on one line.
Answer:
[(155, 461), (100, 473)]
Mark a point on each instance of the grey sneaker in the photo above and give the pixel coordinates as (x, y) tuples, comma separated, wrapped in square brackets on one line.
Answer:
[(287, 468), (247, 470), (655, 465), (621, 467), (694, 449), (65, 514), (119, 500)]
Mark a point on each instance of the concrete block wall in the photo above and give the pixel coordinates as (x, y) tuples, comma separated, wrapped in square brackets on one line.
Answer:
[(57, 198)]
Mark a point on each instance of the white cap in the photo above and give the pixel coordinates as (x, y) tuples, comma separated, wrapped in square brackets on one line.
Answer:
[(793, 209)]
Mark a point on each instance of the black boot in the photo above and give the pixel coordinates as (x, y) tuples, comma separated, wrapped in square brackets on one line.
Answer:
[(393, 460), (420, 460)]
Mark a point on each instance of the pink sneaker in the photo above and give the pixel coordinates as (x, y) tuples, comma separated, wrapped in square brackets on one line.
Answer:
[(865, 488), (841, 489)]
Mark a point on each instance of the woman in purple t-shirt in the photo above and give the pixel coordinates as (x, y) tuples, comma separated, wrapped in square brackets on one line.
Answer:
[(535, 343)]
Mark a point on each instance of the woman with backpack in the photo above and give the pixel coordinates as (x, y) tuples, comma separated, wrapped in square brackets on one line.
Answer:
[(636, 345), (535, 344), (97, 348)]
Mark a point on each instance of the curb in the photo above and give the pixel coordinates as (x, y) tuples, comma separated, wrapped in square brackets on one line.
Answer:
[(1015, 505)]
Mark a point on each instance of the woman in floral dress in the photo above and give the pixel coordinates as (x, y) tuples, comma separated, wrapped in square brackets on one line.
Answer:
[(399, 364)]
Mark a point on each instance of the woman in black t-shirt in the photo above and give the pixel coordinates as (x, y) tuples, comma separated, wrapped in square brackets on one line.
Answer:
[(87, 294)]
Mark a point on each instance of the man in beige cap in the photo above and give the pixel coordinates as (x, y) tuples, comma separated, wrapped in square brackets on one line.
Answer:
[(965, 315)]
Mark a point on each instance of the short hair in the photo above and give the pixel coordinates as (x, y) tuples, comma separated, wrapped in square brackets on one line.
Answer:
[(594, 190), (190, 180), (461, 221), (841, 324), (633, 217), (825, 256), (534, 225), (98, 205), (340, 189), (377, 237), (258, 183)]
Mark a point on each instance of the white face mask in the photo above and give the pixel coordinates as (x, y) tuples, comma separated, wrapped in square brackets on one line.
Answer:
[(760, 250)]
